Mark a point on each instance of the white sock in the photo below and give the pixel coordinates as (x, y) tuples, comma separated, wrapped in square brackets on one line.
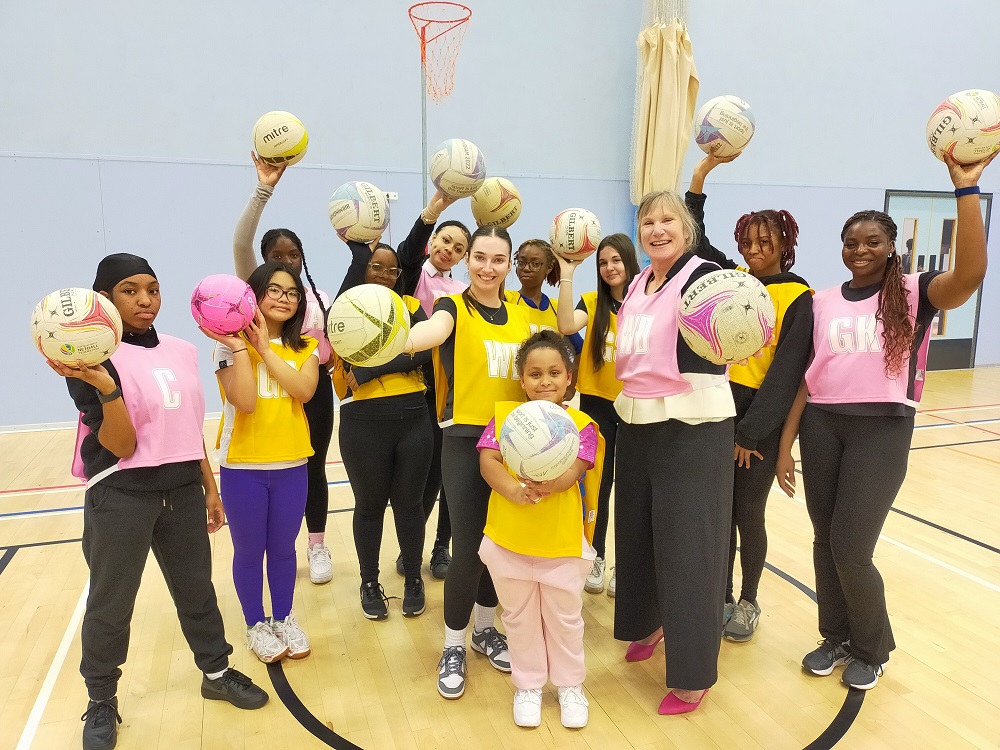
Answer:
[(454, 637), (216, 675), (485, 616)]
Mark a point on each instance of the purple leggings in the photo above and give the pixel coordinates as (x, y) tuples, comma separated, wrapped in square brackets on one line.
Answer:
[(264, 510)]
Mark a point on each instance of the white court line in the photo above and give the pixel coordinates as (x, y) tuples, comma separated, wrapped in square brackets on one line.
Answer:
[(35, 717), (44, 491), (929, 558)]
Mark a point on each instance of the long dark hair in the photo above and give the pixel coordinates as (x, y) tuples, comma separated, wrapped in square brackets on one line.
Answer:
[(267, 242), (893, 307), (605, 302), (291, 329), (485, 231)]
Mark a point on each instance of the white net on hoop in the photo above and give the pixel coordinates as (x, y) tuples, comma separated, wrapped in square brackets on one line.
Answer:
[(440, 27)]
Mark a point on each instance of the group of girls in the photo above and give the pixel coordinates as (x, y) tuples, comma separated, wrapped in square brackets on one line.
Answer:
[(857, 350)]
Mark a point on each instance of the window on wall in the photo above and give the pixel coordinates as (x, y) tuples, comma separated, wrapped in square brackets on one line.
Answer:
[(927, 232)]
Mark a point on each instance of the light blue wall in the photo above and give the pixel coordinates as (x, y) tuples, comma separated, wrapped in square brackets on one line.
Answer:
[(126, 128)]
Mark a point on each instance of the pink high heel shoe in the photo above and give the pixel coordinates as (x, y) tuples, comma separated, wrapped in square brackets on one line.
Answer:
[(671, 705), (639, 652)]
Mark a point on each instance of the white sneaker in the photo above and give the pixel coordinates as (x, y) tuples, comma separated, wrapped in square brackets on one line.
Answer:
[(611, 584), (595, 581), (573, 704), (263, 642), (320, 564), (289, 633), (528, 708)]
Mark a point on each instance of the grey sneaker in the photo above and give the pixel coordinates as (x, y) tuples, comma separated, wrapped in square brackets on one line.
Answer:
[(860, 675), (727, 614), (826, 658), (595, 581), (451, 672), (741, 627), (493, 643)]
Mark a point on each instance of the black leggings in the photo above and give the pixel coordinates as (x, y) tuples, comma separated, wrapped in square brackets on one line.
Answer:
[(852, 468), (433, 489), (386, 461), (750, 490), (319, 414), (603, 412), (468, 580)]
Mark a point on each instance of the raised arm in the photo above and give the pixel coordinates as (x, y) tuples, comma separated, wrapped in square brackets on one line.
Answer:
[(361, 255), (952, 288), (244, 257), (695, 200), (570, 319)]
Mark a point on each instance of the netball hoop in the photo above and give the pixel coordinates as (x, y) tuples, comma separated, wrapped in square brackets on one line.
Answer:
[(440, 27)]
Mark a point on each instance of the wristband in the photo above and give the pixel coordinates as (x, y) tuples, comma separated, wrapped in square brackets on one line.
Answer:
[(237, 351), (971, 190), (570, 281), (115, 394), (428, 217)]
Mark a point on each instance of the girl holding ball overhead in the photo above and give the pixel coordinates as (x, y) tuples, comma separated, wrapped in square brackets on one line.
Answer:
[(476, 335), (672, 515), (596, 380), (763, 388), (857, 407), (537, 544), (266, 375), (284, 246)]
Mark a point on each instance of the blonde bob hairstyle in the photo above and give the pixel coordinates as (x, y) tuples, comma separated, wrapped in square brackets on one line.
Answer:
[(673, 203)]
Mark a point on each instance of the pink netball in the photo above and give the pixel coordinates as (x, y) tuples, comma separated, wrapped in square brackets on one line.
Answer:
[(223, 304), (726, 316)]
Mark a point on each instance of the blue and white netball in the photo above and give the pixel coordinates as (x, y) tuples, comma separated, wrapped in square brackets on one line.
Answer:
[(539, 440), (457, 168), (724, 123), (359, 211)]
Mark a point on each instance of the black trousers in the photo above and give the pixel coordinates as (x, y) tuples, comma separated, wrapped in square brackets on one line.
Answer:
[(319, 414), (468, 580), (387, 461), (751, 488), (852, 469), (673, 510), (434, 489), (603, 412), (119, 529)]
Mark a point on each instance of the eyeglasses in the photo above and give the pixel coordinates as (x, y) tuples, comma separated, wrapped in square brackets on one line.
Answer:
[(379, 270), (528, 265), (276, 293)]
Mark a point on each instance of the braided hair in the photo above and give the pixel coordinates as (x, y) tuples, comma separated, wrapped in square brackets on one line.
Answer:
[(552, 277), (893, 307), (780, 224), (267, 242)]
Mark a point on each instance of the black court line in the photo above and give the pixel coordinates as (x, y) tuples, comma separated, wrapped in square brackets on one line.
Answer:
[(7, 557), (303, 715)]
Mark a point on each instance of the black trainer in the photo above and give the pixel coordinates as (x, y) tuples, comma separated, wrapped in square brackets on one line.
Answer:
[(440, 561), (100, 725), (399, 565), (413, 597), (234, 687), (374, 602)]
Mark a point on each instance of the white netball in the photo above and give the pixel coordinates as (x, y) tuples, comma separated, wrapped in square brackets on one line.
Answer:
[(966, 126), (539, 440), (457, 167), (280, 138), (575, 234), (74, 324), (359, 211), (724, 124)]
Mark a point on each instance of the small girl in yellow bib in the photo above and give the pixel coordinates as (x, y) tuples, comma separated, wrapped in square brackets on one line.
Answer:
[(537, 544)]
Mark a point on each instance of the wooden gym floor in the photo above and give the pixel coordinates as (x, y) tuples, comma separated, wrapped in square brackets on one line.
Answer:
[(373, 684)]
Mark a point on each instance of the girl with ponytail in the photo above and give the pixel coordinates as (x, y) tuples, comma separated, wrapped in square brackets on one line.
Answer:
[(870, 340)]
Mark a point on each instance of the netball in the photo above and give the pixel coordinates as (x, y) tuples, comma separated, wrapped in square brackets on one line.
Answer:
[(539, 440), (280, 138), (966, 126), (496, 203), (359, 211), (73, 324), (457, 167), (575, 234), (368, 325), (726, 121), (223, 303), (726, 316)]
